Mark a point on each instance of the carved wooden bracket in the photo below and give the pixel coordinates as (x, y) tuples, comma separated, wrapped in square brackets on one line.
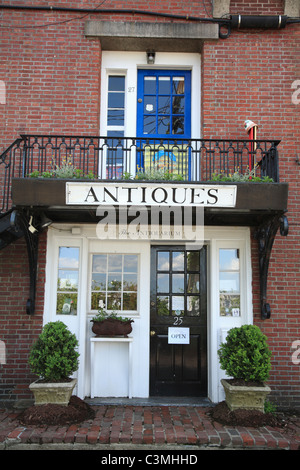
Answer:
[(265, 234)]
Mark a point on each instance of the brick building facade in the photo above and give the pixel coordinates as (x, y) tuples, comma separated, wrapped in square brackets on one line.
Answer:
[(56, 66)]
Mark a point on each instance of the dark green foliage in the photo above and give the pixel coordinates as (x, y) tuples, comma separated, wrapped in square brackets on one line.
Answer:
[(245, 354), (53, 356)]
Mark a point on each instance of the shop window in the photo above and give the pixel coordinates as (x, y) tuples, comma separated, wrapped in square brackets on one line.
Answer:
[(114, 282), (229, 282), (67, 281)]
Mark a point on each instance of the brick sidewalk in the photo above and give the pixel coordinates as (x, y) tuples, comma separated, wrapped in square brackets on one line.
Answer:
[(145, 426)]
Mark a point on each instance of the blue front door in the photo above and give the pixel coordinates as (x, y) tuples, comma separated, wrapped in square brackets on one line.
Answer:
[(164, 120)]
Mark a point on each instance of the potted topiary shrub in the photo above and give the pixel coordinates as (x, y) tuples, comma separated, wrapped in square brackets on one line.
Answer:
[(105, 324), (54, 358), (245, 356)]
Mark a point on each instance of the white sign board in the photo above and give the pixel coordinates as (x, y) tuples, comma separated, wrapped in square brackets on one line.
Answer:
[(150, 194), (178, 335)]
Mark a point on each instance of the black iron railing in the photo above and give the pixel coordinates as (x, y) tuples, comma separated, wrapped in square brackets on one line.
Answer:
[(110, 158)]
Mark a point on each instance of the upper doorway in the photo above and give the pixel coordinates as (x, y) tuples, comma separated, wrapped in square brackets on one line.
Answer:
[(164, 120)]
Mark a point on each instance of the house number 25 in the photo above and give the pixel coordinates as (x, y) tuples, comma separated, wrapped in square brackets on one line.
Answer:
[(178, 321)]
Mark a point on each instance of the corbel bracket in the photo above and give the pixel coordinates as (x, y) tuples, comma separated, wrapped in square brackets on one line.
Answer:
[(265, 234), (21, 221)]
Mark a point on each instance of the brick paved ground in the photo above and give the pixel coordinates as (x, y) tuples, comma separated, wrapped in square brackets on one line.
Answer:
[(146, 426)]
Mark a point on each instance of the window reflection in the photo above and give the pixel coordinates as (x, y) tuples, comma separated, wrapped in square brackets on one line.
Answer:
[(67, 281), (229, 282), (114, 281)]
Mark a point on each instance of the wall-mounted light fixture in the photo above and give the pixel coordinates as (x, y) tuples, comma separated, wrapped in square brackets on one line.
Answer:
[(45, 222), (150, 57)]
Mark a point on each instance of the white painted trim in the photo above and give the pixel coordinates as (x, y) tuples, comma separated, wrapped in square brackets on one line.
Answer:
[(215, 238)]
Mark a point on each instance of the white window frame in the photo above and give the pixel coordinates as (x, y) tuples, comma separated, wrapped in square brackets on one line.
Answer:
[(121, 312)]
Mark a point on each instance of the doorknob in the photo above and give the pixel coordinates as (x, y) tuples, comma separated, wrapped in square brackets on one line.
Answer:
[(152, 333)]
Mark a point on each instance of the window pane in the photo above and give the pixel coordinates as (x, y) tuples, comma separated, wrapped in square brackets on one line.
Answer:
[(178, 261), (229, 282), (68, 257), (130, 263), (164, 85), (229, 260), (178, 105), (193, 305), (66, 304), (96, 299), (114, 263), (193, 283), (178, 283), (115, 117), (178, 305), (163, 305), (163, 283), (114, 301), (178, 125), (149, 104), (116, 100), (114, 282), (164, 125), (150, 85), (130, 282), (99, 281), (193, 261), (229, 305), (99, 263), (129, 301), (116, 83), (149, 125), (164, 105), (67, 280), (178, 85), (163, 263)]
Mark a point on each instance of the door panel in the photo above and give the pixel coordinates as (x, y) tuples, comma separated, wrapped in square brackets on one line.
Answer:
[(164, 111), (178, 300)]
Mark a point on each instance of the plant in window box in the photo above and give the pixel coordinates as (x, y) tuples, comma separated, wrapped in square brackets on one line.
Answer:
[(54, 358), (245, 356), (105, 324)]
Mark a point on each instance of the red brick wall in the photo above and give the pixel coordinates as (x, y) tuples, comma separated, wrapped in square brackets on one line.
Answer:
[(52, 76), (18, 331), (249, 76)]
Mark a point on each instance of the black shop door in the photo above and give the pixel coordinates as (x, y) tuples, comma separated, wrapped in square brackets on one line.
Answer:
[(178, 322)]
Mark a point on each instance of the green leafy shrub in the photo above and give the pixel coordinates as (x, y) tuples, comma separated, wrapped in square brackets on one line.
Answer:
[(245, 354), (53, 356)]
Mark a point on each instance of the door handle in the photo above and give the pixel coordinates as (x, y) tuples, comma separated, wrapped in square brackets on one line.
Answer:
[(152, 333)]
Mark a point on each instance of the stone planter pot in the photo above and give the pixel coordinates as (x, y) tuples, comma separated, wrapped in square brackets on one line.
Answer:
[(112, 327), (245, 397), (58, 393)]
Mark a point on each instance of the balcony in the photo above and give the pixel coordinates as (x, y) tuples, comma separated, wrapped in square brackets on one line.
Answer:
[(35, 170), (29, 178), (38, 173)]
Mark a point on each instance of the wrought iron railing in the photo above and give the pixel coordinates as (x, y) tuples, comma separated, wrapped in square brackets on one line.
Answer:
[(110, 158)]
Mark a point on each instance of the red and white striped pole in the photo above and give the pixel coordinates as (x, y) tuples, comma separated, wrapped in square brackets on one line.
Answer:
[(251, 129)]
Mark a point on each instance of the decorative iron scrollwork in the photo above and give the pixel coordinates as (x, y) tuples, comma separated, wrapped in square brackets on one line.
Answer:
[(265, 235)]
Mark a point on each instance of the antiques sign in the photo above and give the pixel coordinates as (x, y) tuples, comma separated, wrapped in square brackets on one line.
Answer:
[(150, 194)]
